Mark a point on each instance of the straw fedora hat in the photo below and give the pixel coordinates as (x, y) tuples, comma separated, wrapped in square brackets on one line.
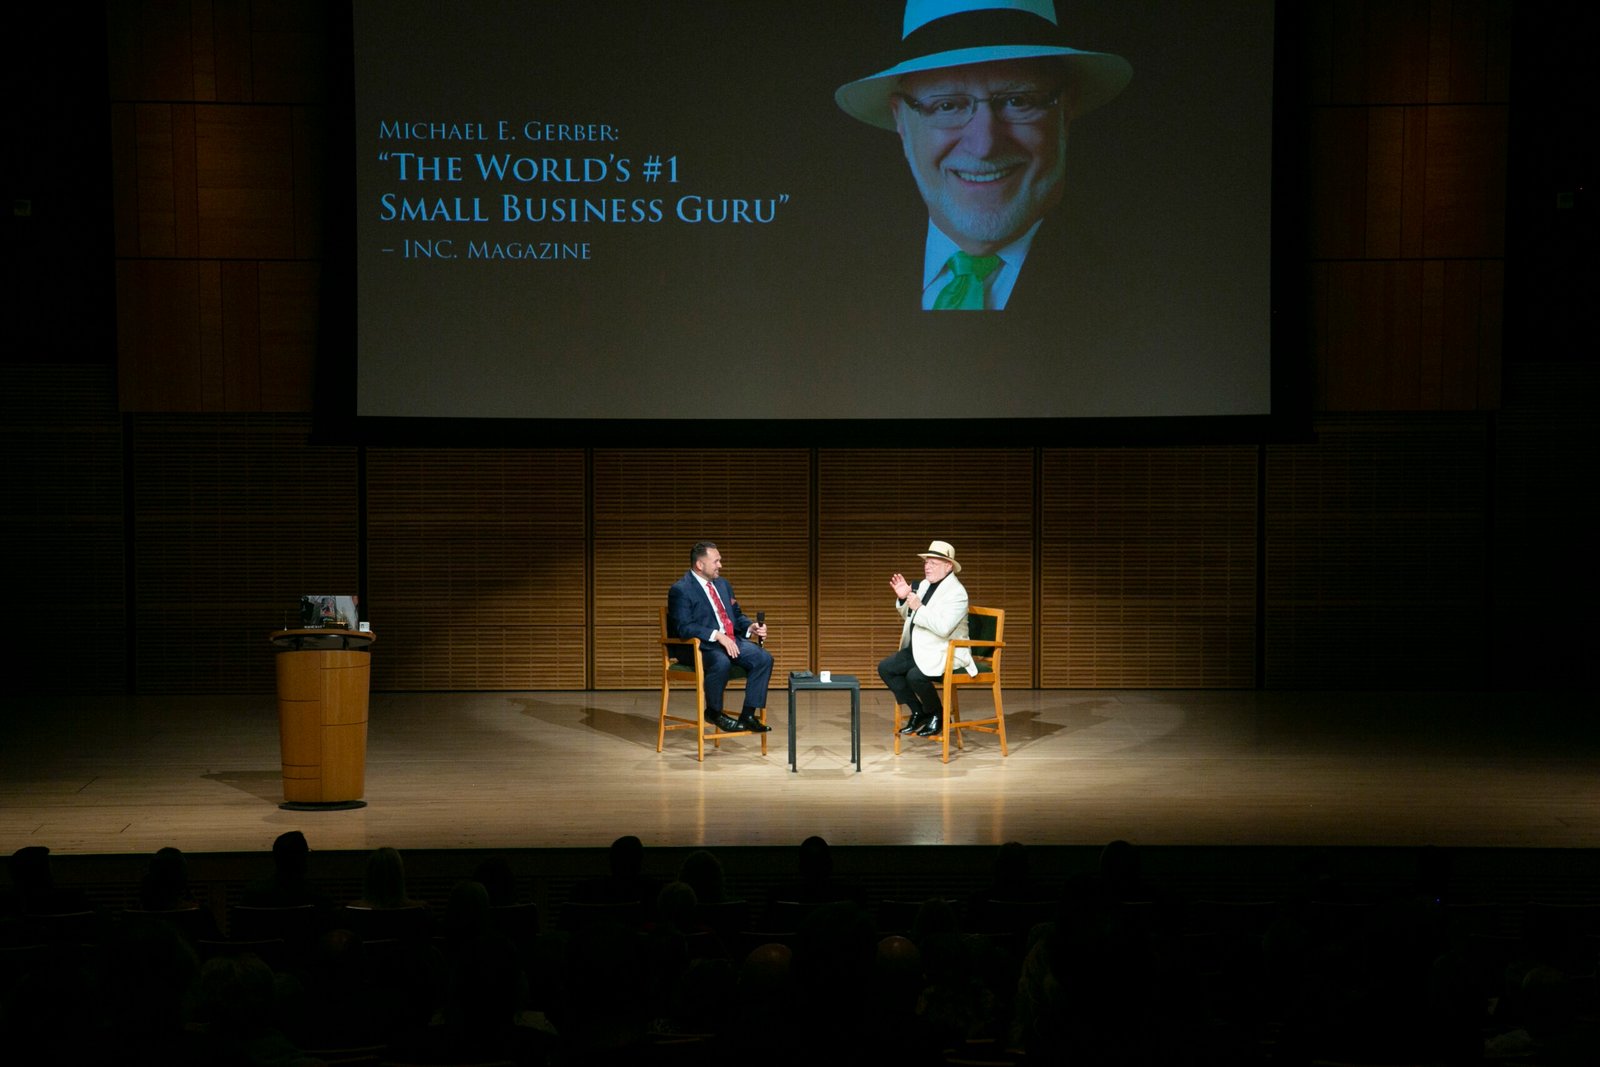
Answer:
[(942, 550), (954, 33)]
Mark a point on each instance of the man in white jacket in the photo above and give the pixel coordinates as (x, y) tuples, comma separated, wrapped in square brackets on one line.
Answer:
[(934, 612)]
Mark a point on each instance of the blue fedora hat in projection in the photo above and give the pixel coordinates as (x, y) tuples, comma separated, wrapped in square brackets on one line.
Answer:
[(954, 33)]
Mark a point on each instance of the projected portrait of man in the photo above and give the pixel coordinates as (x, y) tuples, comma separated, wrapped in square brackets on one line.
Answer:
[(981, 96)]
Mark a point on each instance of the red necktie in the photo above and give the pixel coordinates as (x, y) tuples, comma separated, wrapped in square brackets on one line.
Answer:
[(722, 612)]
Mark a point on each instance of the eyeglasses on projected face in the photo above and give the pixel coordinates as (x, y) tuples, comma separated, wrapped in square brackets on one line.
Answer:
[(951, 111)]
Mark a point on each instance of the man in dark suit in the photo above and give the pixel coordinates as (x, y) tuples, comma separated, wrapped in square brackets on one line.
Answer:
[(981, 99), (701, 604)]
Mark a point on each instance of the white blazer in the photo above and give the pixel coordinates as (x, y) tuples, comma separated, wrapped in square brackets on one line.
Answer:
[(928, 629)]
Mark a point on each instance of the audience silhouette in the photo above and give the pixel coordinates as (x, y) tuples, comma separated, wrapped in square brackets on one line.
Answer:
[(1118, 971)]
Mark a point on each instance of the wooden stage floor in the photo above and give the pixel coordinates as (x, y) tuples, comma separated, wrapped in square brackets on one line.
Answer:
[(97, 775)]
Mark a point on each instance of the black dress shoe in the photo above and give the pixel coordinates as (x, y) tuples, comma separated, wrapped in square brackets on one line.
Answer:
[(918, 720), (726, 723), (931, 727), (748, 721)]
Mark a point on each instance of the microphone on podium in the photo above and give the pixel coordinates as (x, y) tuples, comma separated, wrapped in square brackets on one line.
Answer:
[(761, 620)]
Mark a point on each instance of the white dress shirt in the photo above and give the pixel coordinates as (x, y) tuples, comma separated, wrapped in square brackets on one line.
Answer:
[(705, 587)]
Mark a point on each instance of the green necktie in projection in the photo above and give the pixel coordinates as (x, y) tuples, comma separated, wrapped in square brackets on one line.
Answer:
[(965, 291)]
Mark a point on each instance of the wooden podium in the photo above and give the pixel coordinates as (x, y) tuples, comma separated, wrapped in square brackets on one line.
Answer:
[(323, 679)]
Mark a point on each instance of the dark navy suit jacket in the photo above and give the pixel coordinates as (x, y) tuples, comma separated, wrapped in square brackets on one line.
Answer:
[(689, 611), (690, 614)]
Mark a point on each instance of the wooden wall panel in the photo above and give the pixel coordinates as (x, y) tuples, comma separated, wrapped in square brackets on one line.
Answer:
[(1398, 335), (1473, 333), (159, 176), (1338, 218), (288, 48), (244, 181), (1392, 182), (1408, 138), (1465, 197), (1471, 60), (230, 60), (209, 24), (651, 505), (1375, 542), (152, 50), (218, 158), (159, 342), (1413, 181), (124, 178), (237, 51), (289, 301), (1384, 214), (237, 373), (1397, 36), (878, 508), (62, 533), (218, 181), (475, 570), (208, 336), (1497, 33), (1406, 51), (234, 518), (1148, 568), (1375, 554), (1334, 48), (310, 148)]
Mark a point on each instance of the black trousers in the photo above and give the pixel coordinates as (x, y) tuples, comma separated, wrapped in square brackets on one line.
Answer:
[(909, 685)]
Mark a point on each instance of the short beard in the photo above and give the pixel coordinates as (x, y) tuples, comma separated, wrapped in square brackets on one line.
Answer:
[(1001, 225)]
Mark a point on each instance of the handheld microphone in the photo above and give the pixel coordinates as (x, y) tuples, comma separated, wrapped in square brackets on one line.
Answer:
[(761, 620)]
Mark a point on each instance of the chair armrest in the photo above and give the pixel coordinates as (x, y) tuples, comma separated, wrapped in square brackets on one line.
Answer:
[(692, 642), (963, 642)]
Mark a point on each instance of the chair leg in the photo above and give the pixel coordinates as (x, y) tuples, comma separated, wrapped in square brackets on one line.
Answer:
[(702, 728), (949, 721), (897, 729), (700, 710), (661, 730), (952, 722), (999, 719)]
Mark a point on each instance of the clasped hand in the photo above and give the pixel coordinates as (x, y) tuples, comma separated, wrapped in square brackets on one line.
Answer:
[(731, 647)]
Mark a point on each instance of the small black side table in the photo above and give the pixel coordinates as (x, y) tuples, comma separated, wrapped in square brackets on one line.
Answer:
[(798, 681)]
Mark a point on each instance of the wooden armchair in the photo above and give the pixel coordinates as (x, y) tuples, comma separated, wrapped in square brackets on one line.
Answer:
[(986, 638), (675, 673)]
